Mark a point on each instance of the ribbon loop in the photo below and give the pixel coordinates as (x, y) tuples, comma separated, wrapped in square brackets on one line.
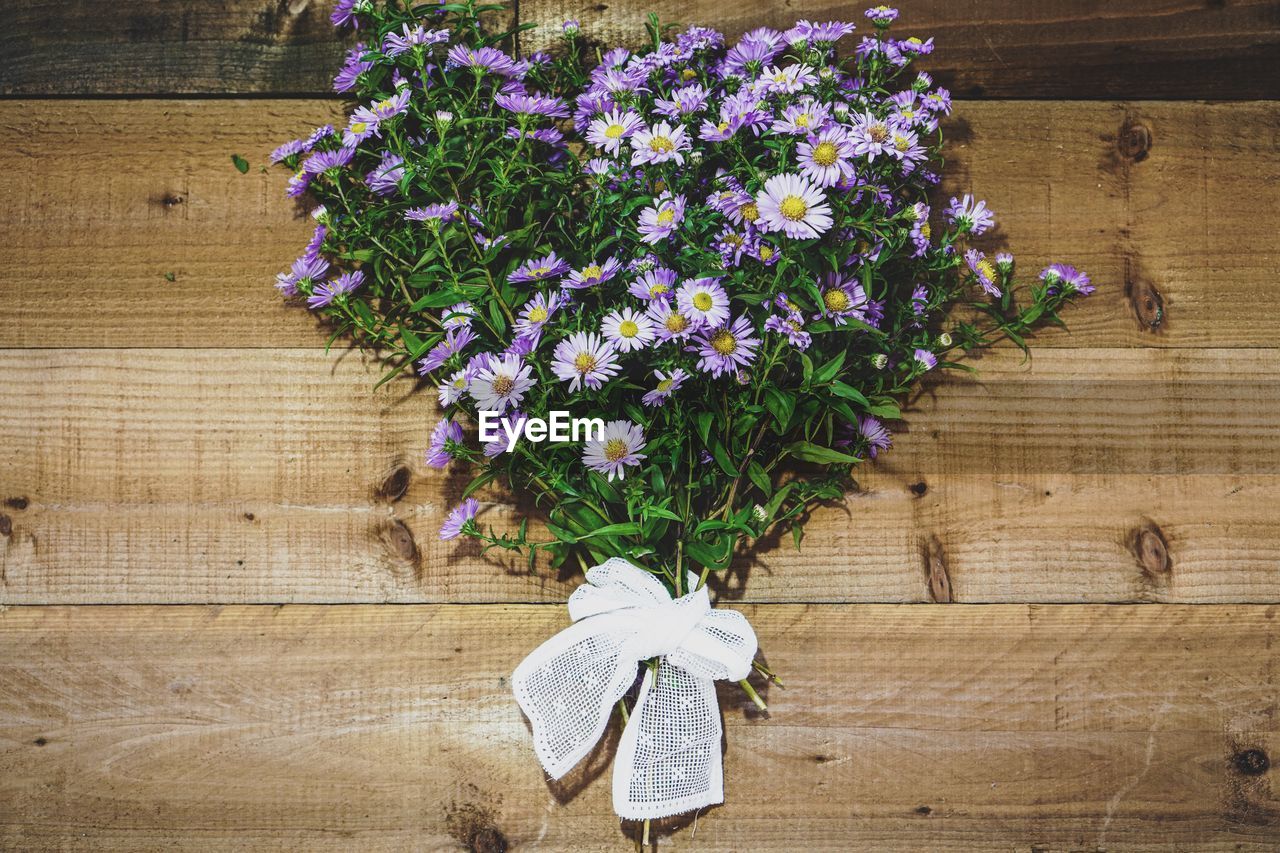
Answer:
[(668, 760)]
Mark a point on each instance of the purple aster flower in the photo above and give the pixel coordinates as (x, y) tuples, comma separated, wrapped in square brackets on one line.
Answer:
[(502, 384), (481, 60), (733, 245), (617, 448), (458, 384), (454, 341), (627, 329), (592, 275), (793, 205), (789, 80), (352, 68), (683, 101), (842, 299), (346, 12), (915, 45), (699, 38), (659, 144), (788, 321), (458, 316), (938, 101), (801, 119), (571, 28), (583, 359), (920, 231), (825, 158), (983, 271), (385, 179), (540, 269), (532, 104), (872, 136), (970, 216), (458, 518), (306, 272), (1004, 262), (882, 16), (608, 131), (659, 222), (534, 315), (657, 283), (292, 148), (446, 432), (328, 161), (299, 183), (668, 321), (727, 348), (919, 300), (906, 148), (868, 432), (924, 359), (704, 302), (1068, 277), (753, 51), (325, 292), (394, 44), (318, 135), (434, 214), (668, 384), (824, 34)]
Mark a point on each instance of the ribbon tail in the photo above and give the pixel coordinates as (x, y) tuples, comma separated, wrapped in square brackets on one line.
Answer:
[(567, 687), (668, 759)]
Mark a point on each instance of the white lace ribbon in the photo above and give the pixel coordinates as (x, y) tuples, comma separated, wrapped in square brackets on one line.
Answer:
[(668, 760)]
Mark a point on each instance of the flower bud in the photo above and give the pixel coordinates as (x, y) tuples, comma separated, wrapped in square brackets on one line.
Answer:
[(759, 514), (879, 361), (944, 339), (571, 28)]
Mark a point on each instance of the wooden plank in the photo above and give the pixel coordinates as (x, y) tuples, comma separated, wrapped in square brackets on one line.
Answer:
[(1149, 48), (1034, 49), (901, 728), (274, 475), (107, 198)]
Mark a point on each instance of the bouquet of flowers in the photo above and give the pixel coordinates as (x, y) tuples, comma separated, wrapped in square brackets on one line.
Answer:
[(723, 262)]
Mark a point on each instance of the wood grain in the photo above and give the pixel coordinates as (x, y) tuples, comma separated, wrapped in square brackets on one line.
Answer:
[(274, 475), (1041, 49), (1171, 207), (901, 728), (1031, 49)]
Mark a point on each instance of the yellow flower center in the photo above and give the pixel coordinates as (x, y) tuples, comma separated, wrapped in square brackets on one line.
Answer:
[(666, 217), (988, 271), (724, 342), (661, 145), (766, 252), (359, 127), (925, 231), (665, 385), (614, 131), (688, 74), (749, 211), (628, 329), (657, 290), (584, 363), (503, 385), (836, 300), (676, 323), (615, 450), (539, 272), (593, 271), (901, 142), (384, 105), (722, 126), (878, 132), (802, 120), (826, 154), (702, 301), (733, 240), (537, 314), (793, 208), (914, 40)]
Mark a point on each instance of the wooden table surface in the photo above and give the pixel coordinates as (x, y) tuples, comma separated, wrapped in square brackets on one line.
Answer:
[(1046, 621)]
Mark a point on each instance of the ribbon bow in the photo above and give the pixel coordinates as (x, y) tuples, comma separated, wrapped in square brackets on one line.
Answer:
[(668, 760)]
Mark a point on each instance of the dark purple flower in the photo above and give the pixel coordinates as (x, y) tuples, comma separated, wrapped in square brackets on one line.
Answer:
[(324, 293), (447, 432)]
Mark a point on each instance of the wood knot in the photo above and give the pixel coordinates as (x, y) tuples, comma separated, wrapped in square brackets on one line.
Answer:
[(1148, 545), (489, 840), (919, 489), (1251, 762), (924, 810), (935, 567), (6, 525), (1134, 141), (398, 539), (1148, 304), (16, 503), (396, 484)]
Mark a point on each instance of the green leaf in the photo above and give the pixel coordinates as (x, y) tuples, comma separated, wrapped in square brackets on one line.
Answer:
[(626, 528), (830, 370), (781, 404), (807, 451), (722, 458), (840, 389), (759, 477), (705, 420), (241, 164)]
